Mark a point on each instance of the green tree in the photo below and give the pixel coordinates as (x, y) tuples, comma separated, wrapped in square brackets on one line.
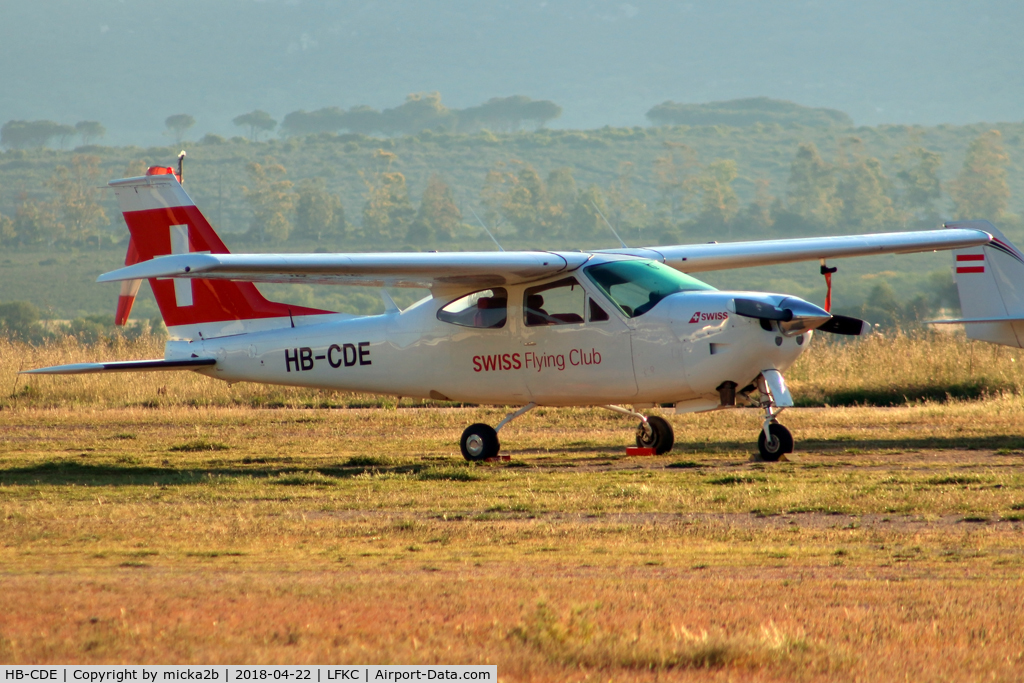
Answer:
[(420, 111), (520, 198), (917, 180), (36, 222), (674, 176), (319, 214), (90, 131), (271, 201), (19, 321), (718, 203), (178, 124), (882, 307), (758, 216), (508, 113), (77, 190), (31, 134), (584, 220), (388, 211), (8, 234), (980, 189), (811, 188), (626, 212), (562, 187), (257, 121), (64, 133), (439, 217), (864, 190)]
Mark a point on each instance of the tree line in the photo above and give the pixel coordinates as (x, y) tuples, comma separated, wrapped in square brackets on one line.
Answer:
[(37, 134), (676, 199)]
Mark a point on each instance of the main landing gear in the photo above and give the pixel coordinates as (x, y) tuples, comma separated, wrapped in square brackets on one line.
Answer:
[(652, 432), (480, 441)]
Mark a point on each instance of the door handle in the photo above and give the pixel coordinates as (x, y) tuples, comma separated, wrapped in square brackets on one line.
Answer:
[(526, 343)]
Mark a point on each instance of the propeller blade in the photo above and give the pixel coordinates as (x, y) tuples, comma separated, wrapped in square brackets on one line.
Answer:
[(843, 324), (751, 308)]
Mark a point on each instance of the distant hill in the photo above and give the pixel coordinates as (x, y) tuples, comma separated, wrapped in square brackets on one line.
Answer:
[(130, 65), (746, 112)]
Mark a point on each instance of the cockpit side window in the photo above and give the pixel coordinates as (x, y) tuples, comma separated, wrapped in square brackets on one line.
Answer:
[(555, 303), (637, 286), (487, 308)]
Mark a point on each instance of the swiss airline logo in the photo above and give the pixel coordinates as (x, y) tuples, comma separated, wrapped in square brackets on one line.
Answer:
[(699, 317), (970, 263)]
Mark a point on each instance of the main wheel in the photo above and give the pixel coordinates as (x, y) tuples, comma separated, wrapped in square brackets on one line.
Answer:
[(656, 433), (781, 442), (479, 442)]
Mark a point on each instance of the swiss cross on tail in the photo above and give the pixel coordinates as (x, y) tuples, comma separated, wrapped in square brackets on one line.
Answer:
[(180, 245)]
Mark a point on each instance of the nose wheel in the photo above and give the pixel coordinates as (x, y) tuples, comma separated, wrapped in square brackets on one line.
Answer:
[(774, 441)]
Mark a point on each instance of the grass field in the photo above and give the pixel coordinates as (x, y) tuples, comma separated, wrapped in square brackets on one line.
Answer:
[(182, 521)]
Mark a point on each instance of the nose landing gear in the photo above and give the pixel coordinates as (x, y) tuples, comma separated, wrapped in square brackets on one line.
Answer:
[(774, 440)]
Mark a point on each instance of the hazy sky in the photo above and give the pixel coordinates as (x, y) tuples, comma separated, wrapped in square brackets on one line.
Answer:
[(131, 64)]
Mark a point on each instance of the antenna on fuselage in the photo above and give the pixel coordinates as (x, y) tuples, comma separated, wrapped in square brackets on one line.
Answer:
[(482, 225), (609, 225)]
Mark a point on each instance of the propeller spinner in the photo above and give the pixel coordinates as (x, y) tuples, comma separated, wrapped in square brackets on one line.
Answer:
[(796, 316)]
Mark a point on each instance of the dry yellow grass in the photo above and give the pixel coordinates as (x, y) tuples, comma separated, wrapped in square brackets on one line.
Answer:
[(138, 526), (922, 363)]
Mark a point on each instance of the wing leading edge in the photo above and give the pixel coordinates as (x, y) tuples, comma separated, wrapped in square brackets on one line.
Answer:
[(421, 270), (696, 258)]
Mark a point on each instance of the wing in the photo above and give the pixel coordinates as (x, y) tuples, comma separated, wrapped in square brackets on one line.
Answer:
[(695, 258), (422, 270)]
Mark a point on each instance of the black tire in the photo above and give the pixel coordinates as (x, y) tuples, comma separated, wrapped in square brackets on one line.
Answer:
[(479, 442), (781, 442), (657, 434)]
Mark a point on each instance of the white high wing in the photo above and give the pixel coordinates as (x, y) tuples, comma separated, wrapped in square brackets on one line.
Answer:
[(527, 329)]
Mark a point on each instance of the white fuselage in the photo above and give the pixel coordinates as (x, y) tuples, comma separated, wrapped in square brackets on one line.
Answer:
[(678, 352)]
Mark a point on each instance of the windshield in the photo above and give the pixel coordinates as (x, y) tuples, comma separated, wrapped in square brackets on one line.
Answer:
[(637, 286)]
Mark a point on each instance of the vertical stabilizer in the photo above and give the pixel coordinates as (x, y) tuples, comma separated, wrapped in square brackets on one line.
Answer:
[(164, 220), (990, 282)]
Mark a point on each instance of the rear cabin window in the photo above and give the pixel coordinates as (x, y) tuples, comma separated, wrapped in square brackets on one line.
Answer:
[(487, 308)]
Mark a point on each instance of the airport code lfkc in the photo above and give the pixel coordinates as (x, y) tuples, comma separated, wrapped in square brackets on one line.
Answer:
[(230, 674)]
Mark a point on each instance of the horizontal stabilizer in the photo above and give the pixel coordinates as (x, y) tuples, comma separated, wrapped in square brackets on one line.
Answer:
[(124, 366)]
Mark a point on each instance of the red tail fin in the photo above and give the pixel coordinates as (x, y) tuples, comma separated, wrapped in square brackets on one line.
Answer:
[(163, 220)]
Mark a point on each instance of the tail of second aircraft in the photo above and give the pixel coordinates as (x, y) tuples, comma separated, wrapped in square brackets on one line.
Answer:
[(990, 282), (162, 220)]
